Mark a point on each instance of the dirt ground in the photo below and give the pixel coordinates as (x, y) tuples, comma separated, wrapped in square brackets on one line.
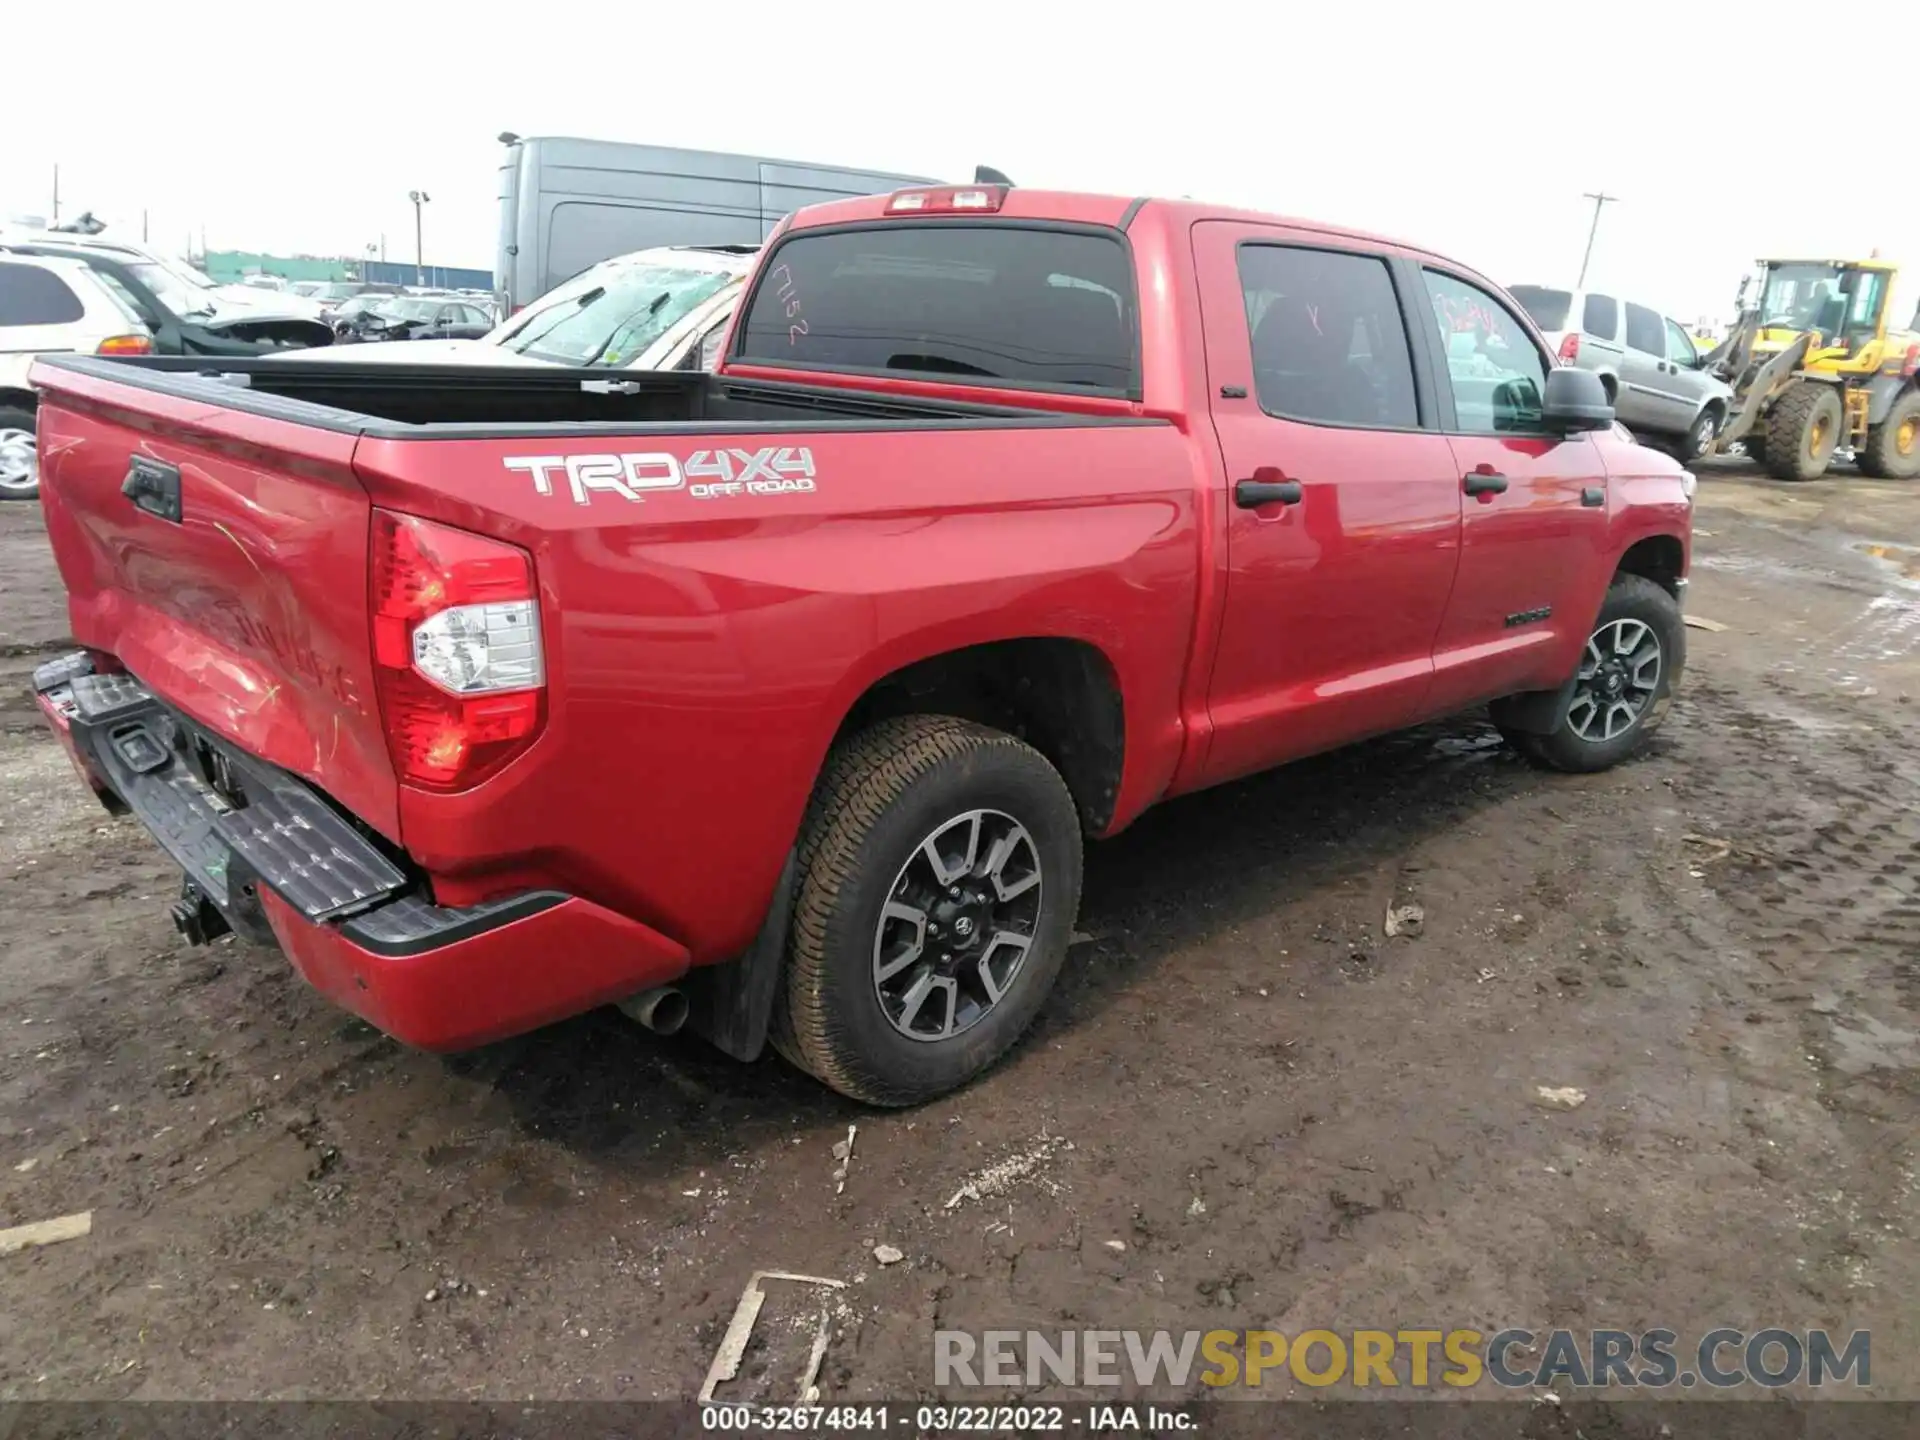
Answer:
[(1286, 1118)]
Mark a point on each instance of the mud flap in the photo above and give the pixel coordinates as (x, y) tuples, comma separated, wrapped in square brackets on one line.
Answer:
[(1537, 712), (730, 1005)]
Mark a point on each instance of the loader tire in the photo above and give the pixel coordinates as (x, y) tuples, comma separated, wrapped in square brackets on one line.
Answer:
[(939, 881), (1892, 451), (1803, 431)]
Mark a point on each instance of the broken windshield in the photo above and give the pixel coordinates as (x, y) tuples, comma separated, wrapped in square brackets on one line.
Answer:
[(613, 323)]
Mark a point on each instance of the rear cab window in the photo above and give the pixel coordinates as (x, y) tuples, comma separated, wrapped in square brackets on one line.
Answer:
[(993, 304)]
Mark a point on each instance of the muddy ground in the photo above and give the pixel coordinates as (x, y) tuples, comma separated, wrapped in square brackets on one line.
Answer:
[(1284, 1117)]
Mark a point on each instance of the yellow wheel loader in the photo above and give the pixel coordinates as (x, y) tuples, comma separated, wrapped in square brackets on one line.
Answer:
[(1817, 374)]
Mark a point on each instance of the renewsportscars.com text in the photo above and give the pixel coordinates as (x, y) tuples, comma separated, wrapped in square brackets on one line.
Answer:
[(1417, 1358)]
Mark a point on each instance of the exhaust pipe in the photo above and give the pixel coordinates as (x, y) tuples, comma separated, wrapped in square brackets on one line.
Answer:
[(662, 1009)]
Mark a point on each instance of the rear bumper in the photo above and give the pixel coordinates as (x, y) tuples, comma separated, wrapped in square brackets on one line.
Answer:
[(280, 864)]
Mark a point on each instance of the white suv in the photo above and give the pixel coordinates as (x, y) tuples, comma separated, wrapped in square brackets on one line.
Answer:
[(50, 306)]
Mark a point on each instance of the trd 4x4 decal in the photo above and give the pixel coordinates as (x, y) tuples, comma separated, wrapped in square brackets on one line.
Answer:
[(705, 474)]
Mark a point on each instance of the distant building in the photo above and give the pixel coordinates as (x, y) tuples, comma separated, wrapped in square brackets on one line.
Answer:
[(229, 266)]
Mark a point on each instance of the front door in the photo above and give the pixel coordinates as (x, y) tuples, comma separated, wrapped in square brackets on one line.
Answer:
[(1343, 501), (1534, 563)]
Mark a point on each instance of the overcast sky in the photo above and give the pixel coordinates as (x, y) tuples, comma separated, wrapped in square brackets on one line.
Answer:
[(1471, 128)]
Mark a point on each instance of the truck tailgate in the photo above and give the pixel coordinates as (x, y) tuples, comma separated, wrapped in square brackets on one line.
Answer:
[(223, 558)]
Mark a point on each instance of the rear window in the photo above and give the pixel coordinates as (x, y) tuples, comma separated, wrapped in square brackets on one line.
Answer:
[(32, 296), (1547, 307), (993, 304)]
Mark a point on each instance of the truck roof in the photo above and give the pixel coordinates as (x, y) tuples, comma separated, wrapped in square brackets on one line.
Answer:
[(1076, 207)]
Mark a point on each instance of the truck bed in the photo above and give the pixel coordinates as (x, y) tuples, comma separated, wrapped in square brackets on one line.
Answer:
[(469, 402)]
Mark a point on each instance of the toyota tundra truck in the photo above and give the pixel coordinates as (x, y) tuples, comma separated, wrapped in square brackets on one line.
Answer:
[(781, 701)]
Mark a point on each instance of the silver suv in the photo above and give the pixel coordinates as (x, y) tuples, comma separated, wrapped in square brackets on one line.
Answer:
[(1648, 362)]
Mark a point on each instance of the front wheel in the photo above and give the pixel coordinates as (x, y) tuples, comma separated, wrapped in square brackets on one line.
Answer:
[(939, 882), (1632, 661), (1699, 439), (19, 464), (1803, 431)]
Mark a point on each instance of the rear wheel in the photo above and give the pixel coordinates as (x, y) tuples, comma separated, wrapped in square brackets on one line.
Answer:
[(939, 881), (19, 464), (1892, 451), (1631, 663), (1803, 431)]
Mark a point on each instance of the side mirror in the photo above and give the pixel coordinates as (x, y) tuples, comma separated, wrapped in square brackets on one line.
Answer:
[(1575, 401)]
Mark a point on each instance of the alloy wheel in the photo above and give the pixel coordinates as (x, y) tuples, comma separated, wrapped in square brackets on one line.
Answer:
[(960, 917), (1619, 676)]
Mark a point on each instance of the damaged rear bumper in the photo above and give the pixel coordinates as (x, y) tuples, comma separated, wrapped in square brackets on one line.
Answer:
[(268, 857)]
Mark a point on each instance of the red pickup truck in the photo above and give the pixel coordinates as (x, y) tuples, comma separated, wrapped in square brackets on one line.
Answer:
[(780, 700)]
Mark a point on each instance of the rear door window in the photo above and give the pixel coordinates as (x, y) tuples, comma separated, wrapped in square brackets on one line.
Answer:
[(995, 304), (1547, 307), (1601, 317), (1646, 331), (1329, 341), (30, 295)]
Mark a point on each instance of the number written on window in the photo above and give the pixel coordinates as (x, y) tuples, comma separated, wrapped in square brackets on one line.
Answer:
[(1497, 375)]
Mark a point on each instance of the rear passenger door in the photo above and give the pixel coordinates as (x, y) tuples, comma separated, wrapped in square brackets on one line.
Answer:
[(1649, 395), (1533, 537), (1342, 503)]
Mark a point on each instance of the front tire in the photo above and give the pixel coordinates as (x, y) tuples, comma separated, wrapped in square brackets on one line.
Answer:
[(1700, 437), (19, 464), (1803, 431), (1632, 661), (1892, 451), (939, 881)]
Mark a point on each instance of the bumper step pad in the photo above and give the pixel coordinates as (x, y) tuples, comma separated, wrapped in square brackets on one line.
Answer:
[(259, 826)]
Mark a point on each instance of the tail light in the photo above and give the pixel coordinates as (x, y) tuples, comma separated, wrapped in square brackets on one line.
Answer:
[(948, 200), (456, 650), (1570, 348), (1912, 365), (126, 345)]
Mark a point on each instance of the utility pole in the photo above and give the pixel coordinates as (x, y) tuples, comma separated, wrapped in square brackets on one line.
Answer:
[(419, 198), (143, 227), (1599, 199), (56, 196)]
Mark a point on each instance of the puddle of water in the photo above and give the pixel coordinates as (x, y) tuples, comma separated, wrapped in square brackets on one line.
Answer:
[(1901, 562)]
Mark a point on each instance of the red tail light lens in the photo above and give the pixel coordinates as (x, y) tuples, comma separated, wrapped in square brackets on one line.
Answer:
[(1912, 365), (126, 345), (456, 649), (1570, 349)]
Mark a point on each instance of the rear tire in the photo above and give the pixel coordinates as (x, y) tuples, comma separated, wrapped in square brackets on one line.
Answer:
[(19, 465), (891, 1010), (1803, 431), (1892, 451), (1633, 659)]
